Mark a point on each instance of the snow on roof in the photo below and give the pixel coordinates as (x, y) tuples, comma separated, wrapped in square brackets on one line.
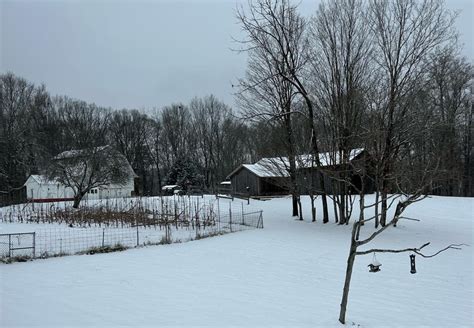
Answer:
[(269, 168), (326, 159), (43, 180), (278, 167), (169, 187), (78, 152)]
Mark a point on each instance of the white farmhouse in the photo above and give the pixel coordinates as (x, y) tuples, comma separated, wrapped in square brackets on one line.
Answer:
[(40, 189)]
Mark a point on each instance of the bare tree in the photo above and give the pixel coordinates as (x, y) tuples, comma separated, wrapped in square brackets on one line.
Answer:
[(355, 243), (209, 119), (85, 169), (449, 77), (266, 95), (278, 31), (20, 146), (406, 32), (341, 65), (129, 130)]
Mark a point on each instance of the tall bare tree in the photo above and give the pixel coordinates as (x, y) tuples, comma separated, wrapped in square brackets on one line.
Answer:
[(342, 46), (278, 31), (406, 33)]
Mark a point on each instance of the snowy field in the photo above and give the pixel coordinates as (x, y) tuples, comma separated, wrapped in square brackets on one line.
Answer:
[(290, 273)]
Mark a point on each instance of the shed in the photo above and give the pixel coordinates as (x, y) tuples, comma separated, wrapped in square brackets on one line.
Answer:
[(266, 177)]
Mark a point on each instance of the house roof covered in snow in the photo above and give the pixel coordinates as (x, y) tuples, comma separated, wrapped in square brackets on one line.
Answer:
[(79, 152), (278, 167), (42, 179)]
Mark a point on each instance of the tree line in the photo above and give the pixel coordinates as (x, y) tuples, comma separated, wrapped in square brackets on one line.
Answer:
[(197, 143)]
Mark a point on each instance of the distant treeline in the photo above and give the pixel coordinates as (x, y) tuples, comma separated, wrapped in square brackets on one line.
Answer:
[(202, 141)]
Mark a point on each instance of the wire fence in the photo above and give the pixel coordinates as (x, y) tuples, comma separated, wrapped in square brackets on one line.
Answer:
[(68, 239)]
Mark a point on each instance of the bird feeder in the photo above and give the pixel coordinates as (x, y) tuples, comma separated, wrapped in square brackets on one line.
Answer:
[(375, 265), (412, 264)]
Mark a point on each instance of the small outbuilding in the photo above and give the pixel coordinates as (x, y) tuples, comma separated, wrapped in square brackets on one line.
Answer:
[(264, 178), (170, 189)]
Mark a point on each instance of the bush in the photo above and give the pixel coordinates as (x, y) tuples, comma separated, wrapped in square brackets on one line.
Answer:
[(104, 249)]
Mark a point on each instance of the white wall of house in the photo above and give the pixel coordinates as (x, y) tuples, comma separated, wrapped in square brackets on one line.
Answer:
[(38, 187), (117, 191)]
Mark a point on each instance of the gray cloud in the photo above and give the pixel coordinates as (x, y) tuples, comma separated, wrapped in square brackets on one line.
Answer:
[(134, 54)]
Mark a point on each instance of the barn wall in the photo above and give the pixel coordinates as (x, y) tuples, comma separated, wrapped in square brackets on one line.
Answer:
[(274, 186), (304, 181), (242, 179)]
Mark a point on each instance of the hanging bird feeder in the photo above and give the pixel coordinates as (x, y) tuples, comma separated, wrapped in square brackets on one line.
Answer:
[(375, 265), (412, 264)]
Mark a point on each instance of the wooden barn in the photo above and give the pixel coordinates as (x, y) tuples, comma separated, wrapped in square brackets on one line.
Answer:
[(264, 178), (269, 176), (334, 171)]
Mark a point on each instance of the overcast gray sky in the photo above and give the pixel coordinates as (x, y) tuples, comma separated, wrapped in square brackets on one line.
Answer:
[(139, 54)]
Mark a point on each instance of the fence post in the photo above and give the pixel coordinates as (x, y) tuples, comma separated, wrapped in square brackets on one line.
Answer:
[(60, 245), (230, 216), (260, 220), (138, 240), (218, 210), (9, 245), (103, 235), (243, 221), (34, 244)]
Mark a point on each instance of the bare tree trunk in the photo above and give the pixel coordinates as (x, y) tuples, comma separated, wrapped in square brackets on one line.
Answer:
[(361, 214), (299, 206), (347, 281), (294, 201), (77, 199), (383, 216), (336, 216)]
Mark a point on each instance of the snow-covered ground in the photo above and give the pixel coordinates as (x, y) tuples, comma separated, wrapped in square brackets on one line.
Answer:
[(290, 273)]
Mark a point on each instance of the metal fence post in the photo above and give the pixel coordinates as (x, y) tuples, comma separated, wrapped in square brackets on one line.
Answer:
[(230, 216), (34, 244), (243, 220), (10, 245), (138, 240), (103, 237)]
